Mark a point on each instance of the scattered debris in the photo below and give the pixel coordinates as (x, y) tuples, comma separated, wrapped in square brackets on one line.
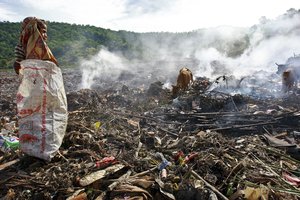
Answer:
[(131, 143)]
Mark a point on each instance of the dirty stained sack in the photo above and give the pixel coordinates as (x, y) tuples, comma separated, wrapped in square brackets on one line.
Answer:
[(42, 108)]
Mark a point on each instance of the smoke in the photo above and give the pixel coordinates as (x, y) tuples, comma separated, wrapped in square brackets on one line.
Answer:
[(264, 44), (213, 52), (104, 66)]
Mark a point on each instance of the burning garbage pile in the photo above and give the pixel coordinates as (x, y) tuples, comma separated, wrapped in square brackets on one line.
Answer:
[(214, 140)]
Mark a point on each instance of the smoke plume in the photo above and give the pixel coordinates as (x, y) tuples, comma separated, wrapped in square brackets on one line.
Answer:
[(212, 52)]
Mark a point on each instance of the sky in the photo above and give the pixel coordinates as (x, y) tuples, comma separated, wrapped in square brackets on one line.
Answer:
[(148, 15)]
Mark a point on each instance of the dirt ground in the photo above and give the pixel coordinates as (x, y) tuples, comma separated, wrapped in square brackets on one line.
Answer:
[(126, 142)]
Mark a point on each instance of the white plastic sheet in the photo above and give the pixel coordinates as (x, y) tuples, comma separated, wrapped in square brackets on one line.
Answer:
[(42, 108)]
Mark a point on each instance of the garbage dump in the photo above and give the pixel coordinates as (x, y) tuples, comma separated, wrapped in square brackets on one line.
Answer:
[(130, 143)]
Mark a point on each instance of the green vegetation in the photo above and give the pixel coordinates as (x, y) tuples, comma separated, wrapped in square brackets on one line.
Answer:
[(68, 42), (9, 33), (71, 43)]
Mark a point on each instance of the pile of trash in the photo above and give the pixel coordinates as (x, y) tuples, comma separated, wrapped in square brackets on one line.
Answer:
[(131, 143)]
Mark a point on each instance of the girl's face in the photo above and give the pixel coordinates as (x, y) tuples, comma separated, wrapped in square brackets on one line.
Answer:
[(43, 31)]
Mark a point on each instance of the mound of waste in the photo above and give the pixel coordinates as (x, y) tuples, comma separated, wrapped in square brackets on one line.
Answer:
[(136, 143)]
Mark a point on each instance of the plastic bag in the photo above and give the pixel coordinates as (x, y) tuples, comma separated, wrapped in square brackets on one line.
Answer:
[(42, 108), (8, 143)]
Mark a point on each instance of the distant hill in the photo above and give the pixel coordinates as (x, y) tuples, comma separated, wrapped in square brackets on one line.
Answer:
[(68, 42), (71, 43)]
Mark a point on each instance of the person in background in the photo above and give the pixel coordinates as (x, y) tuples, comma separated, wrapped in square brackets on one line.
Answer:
[(32, 42)]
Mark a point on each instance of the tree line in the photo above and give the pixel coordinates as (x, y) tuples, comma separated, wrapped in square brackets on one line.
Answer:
[(68, 42), (71, 43)]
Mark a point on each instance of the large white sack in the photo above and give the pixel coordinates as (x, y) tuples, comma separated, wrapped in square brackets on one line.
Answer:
[(42, 108)]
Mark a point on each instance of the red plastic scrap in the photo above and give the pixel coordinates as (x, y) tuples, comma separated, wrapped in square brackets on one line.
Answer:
[(181, 159), (105, 162), (191, 157), (293, 180), (178, 155)]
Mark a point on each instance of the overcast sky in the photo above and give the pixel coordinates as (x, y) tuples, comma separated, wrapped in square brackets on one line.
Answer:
[(148, 15)]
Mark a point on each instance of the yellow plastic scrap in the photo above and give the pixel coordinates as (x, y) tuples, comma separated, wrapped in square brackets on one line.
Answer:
[(97, 125), (256, 193), (175, 187), (181, 161)]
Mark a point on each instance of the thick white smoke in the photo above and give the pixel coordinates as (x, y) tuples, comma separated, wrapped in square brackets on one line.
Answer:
[(104, 66), (207, 52), (269, 42)]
